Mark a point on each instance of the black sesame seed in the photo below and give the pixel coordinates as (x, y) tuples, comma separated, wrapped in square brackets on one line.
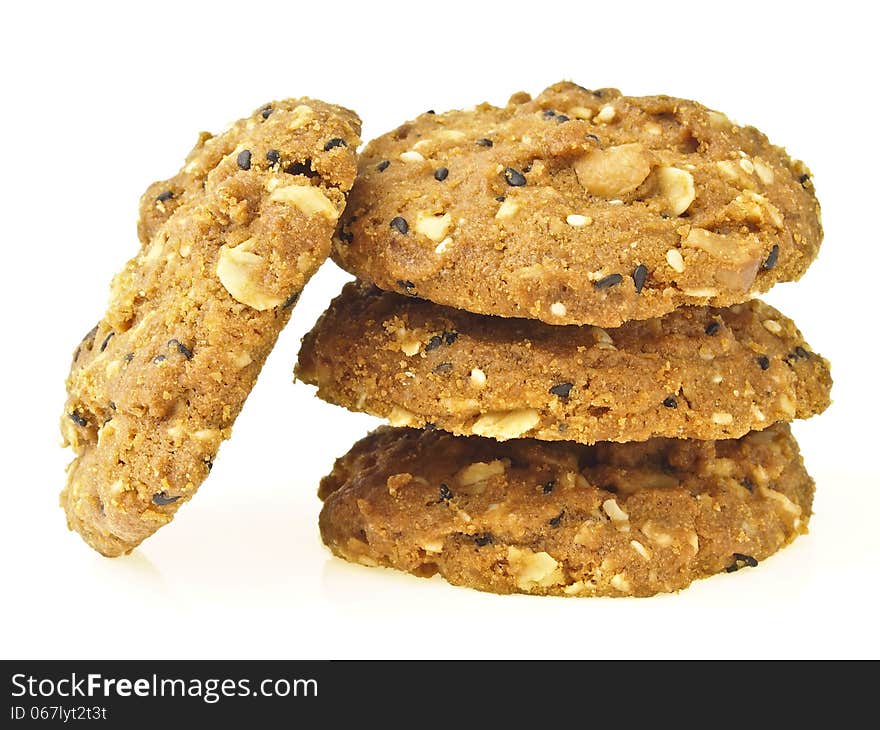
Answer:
[(181, 348), (400, 225), (440, 174), (556, 520), (803, 180), (209, 464), (335, 142), (670, 402), (77, 419), (445, 493), (763, 361), (449, 337), (382, 166), (741, 560), (301, 168), (713, 327), (444, 368), (90, 335), (562, 390), (608, 281), (501, 198), (290, 301), (561, 118), (801, 352), (514, 178), (165, 195), (483, 540), (159, 358), (747, 483), (594, 137), (771, 259), (266, 111), (273, 156), (434, 343), (484, 142), (244, 159), (430, 111), (640, 276), (162, 498), (547, 487), (548, 113), (112, 405), (106, 341)]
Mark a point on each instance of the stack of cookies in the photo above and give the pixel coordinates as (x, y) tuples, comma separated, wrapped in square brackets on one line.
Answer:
[(554, 311)]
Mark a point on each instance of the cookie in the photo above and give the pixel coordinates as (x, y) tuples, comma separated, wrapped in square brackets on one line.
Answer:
[(697, 372), (579, 207), (227, 245), (527, 516)]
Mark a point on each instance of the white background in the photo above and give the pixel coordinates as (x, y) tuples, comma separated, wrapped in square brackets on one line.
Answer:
[(98, 101)]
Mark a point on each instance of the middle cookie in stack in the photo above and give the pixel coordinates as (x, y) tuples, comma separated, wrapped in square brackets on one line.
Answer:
[(578, 208)]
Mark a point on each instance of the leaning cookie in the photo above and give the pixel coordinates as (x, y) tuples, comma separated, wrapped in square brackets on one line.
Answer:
[(565, 519), (697, 372), (227, 245), (579, 207)]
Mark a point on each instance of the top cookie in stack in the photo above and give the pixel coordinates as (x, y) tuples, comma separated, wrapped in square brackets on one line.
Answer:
[(579, 207)]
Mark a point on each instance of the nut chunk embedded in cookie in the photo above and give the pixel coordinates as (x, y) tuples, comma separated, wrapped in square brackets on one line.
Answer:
[(227, 245), (579, 207)]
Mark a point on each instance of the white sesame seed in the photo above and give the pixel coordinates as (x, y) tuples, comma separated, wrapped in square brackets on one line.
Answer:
[(771, 325), (478, 378), (722, 418), (557, 309), (411, 156), (577, 220), (674, 259), (640, 549)]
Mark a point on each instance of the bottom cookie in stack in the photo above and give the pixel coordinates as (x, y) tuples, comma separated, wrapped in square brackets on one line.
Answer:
[(565, 460), (561, 518)]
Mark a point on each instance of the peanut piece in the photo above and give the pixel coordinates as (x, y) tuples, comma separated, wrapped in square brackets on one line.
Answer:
[(677, 188), (614, 171)]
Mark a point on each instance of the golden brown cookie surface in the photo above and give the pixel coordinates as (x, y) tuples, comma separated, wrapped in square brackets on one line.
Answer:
[(579, 207), (697, 372), (227, 245), (564, 519)]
